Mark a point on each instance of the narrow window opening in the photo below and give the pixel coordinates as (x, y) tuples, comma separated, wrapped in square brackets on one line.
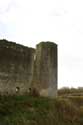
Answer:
[(17, 89), (34, 57)]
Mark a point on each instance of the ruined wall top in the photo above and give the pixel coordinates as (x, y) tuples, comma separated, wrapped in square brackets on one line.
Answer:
[(14, 46), (47, 44)]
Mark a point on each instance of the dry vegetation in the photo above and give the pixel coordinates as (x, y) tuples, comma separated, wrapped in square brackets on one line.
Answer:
[(28, 110)]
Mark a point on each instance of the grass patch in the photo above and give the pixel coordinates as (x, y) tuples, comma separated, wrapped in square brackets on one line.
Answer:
[(27, 110)]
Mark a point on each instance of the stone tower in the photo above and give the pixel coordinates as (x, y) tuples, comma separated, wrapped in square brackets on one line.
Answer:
[(45, 69)]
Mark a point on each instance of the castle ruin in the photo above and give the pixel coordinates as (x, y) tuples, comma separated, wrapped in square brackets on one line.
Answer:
[(22, 68)]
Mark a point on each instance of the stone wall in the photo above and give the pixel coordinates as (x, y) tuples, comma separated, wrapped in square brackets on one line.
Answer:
[(16, 67), (22, 68)]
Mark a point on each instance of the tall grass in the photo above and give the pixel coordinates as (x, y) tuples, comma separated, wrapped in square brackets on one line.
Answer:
[(28, 110)]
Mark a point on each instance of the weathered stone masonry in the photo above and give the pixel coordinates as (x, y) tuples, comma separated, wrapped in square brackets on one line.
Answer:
[(45, 69), (22, 68)]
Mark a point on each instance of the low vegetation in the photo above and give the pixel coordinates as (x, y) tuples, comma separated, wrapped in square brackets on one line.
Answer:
[(29, 110), (67, 92)]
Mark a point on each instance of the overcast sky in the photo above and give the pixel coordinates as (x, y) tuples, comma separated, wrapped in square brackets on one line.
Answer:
[(61, 21)]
